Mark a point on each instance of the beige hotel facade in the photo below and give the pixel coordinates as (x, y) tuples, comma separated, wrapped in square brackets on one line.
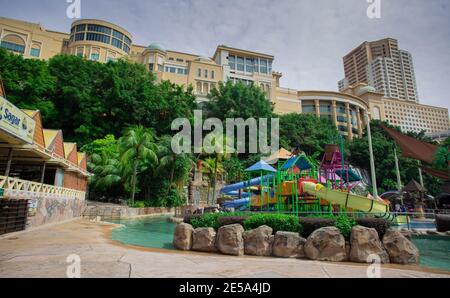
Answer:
[(103, 41)]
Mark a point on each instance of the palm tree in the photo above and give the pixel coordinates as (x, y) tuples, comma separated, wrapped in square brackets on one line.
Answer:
[(136, 147), (211, 167), (106, 170)]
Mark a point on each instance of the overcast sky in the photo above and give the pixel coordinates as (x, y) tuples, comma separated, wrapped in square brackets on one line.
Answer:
[(307, 37)]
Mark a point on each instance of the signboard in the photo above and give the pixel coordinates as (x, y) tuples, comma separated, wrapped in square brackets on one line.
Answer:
[(16, 122)]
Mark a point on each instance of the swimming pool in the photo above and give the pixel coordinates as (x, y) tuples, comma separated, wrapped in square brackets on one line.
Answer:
[(157, 232), (153, 232), (434, 251)]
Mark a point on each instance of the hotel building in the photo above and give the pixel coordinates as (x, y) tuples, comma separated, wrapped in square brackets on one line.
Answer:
[(382, 65), (347, 109)]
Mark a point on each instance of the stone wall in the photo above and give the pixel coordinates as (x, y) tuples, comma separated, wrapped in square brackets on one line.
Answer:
[(53, 209)]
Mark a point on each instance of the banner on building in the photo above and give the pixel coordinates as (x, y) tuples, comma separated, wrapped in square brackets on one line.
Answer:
[(15, 122)]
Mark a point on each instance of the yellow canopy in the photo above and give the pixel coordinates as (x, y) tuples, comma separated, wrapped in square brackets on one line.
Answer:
[(282, 154)]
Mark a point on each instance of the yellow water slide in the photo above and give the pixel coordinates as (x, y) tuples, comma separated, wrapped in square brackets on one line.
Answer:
[(345, 199)]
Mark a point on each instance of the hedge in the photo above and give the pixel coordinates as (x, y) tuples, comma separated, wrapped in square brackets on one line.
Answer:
[(379, 224), (278, 222)]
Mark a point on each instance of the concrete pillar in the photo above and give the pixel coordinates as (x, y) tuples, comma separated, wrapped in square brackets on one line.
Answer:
[(349, 121), (317, 105), (358, 119), (334, 112), (43, 172)]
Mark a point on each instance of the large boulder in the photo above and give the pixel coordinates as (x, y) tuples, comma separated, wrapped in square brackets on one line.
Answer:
[(400, 249), (204, 240), (229, 240), (258, 242), (288, 245), (326, 244), (182, 238), (364, 242)]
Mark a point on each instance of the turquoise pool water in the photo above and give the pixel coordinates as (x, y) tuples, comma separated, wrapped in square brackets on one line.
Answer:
[(157, 232), (153, 232), (434, 251)]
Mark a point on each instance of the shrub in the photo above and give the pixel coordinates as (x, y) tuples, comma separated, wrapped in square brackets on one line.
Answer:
[(278, 222), (345, 225), (229, 220), (188, 218), (208, 220), (310, 224), (379, 224)]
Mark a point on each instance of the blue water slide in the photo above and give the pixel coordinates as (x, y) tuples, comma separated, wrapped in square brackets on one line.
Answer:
[(236, 204), (244, 184)]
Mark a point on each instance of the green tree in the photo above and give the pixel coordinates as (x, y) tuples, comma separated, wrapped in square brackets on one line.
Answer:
[(238, 100), (137, 148), (107, 145), (107, 174), (211, 167), (307, 132), (28, 83)]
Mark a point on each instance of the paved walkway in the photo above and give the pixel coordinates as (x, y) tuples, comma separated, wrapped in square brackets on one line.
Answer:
[(43, 252)]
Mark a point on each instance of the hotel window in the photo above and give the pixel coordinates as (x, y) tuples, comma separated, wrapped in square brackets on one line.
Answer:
[(263, 68), (117, 35), (98, 37), (308, 108), (232, 62), (212, 74), (126, 48), (206, 73), (180, 60), (13, 43), (199, 72), (80, 52), (35, 52), (127, 40), (116, 43), (205, 88), (81, 28), (249, 65), (79, 36), (342, 119), (240, 64), (95, 54), (98, 28), (160, 67), (199, 87)]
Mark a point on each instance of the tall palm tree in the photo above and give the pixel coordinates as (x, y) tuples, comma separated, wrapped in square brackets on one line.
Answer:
[(137, 146), (106, 170), (211, 167)]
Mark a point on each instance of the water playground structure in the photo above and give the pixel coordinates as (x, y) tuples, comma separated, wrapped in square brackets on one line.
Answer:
[(295, 184)]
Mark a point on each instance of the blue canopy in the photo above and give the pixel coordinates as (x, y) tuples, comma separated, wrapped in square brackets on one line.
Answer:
[(301, 162), (261, 166)]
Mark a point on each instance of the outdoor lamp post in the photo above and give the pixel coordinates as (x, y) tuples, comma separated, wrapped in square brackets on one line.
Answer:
[(372, 161)]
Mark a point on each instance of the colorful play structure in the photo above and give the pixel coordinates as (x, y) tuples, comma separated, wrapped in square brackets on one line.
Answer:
[(296, 185)]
